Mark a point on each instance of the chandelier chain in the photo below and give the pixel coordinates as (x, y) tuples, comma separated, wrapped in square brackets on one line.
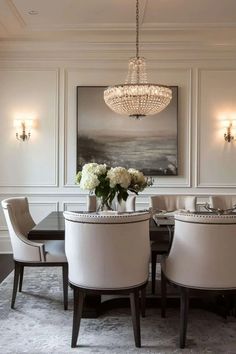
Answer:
[(137, 28)]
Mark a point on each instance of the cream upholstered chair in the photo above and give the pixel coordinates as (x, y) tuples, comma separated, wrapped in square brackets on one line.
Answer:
[(202, 256), (107, 254), (29, 253), (167, 203), (128, 205), (173, 202), (222, 201)]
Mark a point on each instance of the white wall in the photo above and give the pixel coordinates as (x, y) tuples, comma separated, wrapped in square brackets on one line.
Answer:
[(44, 167)]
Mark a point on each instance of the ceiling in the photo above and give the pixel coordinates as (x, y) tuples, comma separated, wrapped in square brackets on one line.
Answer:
[(210, 21)]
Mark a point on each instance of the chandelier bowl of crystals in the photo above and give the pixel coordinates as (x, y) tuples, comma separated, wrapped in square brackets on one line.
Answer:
[(136, 97)]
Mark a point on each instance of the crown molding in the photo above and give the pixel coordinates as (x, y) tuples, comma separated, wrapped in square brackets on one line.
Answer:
[(119, 52), (113, 27)]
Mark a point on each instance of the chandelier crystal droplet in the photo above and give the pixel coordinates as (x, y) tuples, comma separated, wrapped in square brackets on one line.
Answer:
[(137, 98)]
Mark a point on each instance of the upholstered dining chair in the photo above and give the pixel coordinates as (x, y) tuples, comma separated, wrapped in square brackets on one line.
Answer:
[(168, 203), (27, 253), (128, 205), (202, 256), (107, 254), (222, 201)]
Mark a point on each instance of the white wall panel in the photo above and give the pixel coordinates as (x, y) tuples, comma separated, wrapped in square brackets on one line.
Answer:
[(40, 210), (172, 76), (74, 206), (216, 107), (32, 94)]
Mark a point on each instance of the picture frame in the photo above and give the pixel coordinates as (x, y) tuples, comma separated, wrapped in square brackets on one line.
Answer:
[(149, 144)]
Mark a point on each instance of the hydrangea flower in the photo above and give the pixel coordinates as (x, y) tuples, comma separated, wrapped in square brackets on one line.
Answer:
[(89, 181), (119, 175), (107, 183), (95, 168)]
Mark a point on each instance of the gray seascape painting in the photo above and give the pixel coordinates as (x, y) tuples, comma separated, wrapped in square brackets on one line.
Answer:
[(148, 144)]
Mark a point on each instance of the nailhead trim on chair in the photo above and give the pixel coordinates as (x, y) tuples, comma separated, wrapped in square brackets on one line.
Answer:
[(107, 219), (206, 218)]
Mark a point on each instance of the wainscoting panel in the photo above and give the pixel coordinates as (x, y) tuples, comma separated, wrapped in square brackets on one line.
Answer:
[(74, 206), (40, 210)]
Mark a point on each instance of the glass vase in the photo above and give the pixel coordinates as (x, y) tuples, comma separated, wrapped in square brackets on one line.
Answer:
[(103, 205)]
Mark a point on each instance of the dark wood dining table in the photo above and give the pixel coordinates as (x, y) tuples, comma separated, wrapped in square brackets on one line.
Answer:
[(52, 227)]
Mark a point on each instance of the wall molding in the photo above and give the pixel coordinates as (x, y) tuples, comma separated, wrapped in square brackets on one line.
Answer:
[(175, 184), (198, 182), (56, 125)]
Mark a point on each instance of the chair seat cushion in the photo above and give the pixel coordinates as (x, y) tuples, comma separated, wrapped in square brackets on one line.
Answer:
[(55, 251)]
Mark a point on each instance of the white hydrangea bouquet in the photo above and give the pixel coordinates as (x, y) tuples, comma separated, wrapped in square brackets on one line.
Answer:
[(110, 182)]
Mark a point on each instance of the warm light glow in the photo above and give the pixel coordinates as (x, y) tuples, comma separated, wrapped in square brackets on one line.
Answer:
[(226, 125)]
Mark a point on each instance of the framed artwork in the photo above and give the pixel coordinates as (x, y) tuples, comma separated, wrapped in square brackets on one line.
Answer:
[(148, 144)]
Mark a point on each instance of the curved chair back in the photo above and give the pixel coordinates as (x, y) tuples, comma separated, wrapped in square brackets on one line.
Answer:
[(173, 202), (202, 254), (107, 252), (19, 222), (128, 205), (222, 201)]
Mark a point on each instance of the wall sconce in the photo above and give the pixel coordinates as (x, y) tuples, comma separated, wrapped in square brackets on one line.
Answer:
[(228, 135), (23, 129)]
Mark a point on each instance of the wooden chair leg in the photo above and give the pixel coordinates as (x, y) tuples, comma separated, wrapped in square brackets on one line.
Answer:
[(134, 304), (78, 308), (15, 283), (184, 305), (163, 295), (65, 285), (21, 277), (143, 301), (154, 263)]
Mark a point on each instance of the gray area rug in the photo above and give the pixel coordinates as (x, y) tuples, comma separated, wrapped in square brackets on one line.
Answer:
[(39, 325)]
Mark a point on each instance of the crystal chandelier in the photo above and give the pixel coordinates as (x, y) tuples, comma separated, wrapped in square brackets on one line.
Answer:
[(137, 98)]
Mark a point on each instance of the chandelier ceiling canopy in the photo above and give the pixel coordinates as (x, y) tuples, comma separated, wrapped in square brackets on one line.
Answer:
[(136, 97)]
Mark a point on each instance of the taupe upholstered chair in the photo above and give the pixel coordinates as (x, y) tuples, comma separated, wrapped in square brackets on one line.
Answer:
[(222, 201), (202, 256), (167, 203), (27, 253), (128, 205), (107, 255)]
